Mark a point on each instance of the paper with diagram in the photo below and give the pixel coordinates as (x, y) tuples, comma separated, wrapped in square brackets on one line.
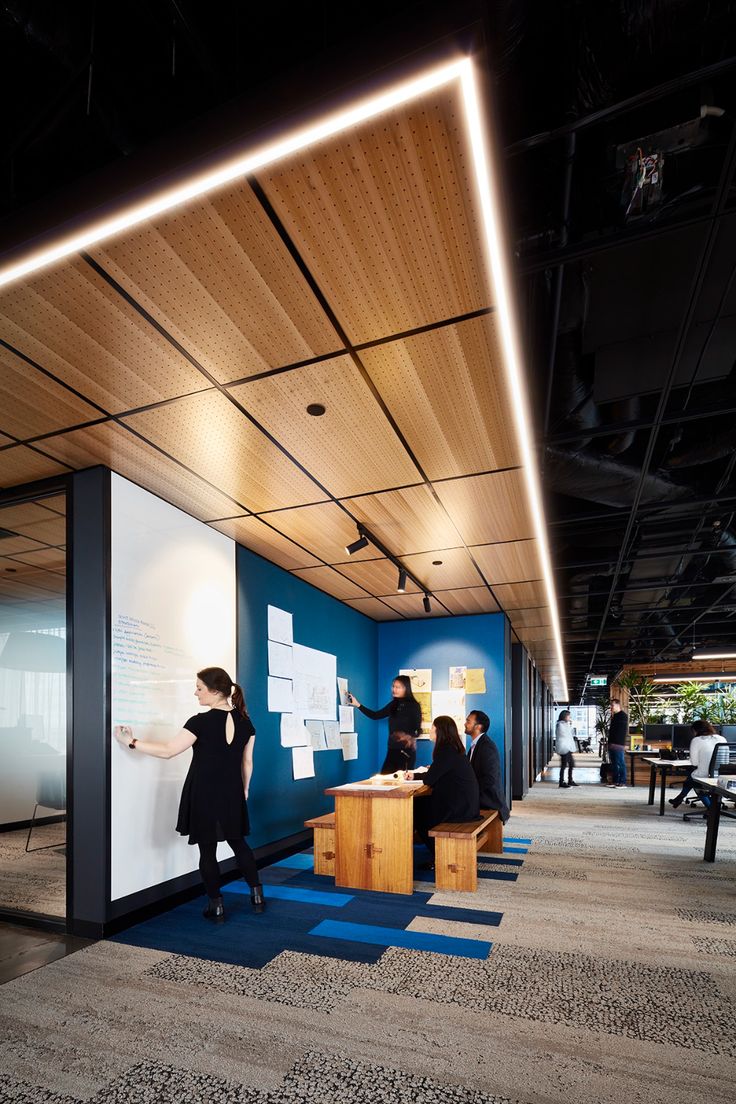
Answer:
[(315, 674), (421, 678), (332, 735), (349, 745), (293, 732), (347, 718), (280, 660)]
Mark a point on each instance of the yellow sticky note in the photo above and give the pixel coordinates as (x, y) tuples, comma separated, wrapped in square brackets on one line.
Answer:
[(475, 680)]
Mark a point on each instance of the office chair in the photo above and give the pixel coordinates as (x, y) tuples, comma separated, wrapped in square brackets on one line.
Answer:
[(50, 794), (723, 755)]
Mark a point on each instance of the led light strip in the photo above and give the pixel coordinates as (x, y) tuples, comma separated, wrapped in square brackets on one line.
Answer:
[(697, 678), (462, 69)]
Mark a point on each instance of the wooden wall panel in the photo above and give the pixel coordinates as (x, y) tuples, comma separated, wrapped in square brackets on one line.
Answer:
[(352, 448), (406, 521), (126, 454), (487, 507), (223, 284), (446, 389), (24, 465), (329, 580), (508, 562), (261, 538), (324, 529), (385, 216), (31, 403), (468, 600), (207, 433)]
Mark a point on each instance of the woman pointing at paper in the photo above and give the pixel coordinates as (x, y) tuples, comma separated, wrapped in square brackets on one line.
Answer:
[(214, 799), (404, 725)]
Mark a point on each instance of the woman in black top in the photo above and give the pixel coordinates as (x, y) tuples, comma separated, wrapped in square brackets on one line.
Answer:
[(214, 800), (455, 796), (404, 725)]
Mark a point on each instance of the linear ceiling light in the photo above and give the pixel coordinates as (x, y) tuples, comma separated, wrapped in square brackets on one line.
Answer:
[(461, 69), (714, 655), (697, 678)]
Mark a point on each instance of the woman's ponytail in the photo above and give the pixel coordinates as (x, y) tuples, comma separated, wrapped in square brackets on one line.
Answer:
[(238, 699)]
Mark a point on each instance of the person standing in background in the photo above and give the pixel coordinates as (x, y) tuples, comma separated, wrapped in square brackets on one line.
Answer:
[(565, 746), (618, 736)]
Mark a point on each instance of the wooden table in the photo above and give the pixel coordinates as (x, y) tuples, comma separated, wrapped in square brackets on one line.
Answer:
[(717, 790), (374, 835), (663, 766), (635, 757)]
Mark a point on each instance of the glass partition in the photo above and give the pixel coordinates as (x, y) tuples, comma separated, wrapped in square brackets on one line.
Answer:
[(33, 719)]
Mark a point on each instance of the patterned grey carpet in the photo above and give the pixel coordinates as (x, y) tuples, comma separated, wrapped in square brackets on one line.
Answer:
[(34, 881), (612, 977)]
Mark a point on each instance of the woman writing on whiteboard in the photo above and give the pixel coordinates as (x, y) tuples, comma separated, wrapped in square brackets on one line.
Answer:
[(404, 725), (214, 800)]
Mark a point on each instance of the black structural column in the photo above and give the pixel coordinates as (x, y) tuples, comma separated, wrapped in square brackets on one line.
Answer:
[(520, 722), (89, 620)]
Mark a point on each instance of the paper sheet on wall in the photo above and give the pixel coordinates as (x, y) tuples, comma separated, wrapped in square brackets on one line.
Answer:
[(280, 625), (302, 762), (280, 660), (316, 730), (293, 732), (347, 718), (450, 703), (425, 704), (280, 695), (332, 735), (349, 745), (421, 679), (342, 690), (475, 680), (315, 674), (456, 680)]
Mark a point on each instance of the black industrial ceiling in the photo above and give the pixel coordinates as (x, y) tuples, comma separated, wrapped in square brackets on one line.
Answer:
[(629, 307)]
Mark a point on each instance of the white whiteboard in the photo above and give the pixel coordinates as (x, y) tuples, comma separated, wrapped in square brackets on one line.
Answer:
[(173, 612)]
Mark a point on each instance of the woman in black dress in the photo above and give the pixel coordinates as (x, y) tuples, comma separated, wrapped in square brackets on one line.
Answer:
[(404, 725), (455, 795), (214, 800)]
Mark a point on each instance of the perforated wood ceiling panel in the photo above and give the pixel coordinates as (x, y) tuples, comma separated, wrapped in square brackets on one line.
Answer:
[(72, 323), (223, 284), (456, 569), (385, 217), (447, 392), (469, 600), (376, 576), (53, 559), (508, 562), (351, 448), (514, 596), (529, 618), (487, 507), (324, 529), (114, 446), (31, 403), (407, 521), (327, 579), (202, 430), (411, 605), (24, 513), (374, 608), (24, 465), (255, 534)]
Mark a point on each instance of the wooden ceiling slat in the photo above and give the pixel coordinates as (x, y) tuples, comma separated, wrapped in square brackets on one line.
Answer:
[(385, 216), (446, 390), (412, 605), (406, 521), (13, 546), (352, 448), (469, 600), (514, 596), (509, 562), (24, 465), (32, 404), (223, 284), (53, 559), (56, 503), (120, 450), (324, 529), (374, 608), (455, 570), (72, 323), (51, 531), (24, 513), (259, 537), (487, 507), (209, 434), (375, 576), (329, 580), (531, 618)]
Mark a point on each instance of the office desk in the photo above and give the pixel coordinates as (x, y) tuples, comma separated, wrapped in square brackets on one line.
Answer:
[(717, 790), (374, 835), (664, 766), (635, 758)]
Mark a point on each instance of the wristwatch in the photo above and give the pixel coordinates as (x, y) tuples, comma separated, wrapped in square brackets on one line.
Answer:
[(133, 742)]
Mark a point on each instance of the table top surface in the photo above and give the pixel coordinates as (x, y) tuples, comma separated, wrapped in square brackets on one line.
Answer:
[(718, 784), (668, 762), (392, 789)]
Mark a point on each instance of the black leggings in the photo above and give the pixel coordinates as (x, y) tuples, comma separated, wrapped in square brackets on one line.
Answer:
[(210, 871)]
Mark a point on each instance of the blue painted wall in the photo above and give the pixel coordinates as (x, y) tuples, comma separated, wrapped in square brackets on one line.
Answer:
[(278, 805), (441, 643)]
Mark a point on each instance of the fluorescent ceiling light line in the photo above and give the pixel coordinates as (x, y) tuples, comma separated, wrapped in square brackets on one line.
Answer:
[(509, 338), (714, 655), (235, 167), (697, 678)]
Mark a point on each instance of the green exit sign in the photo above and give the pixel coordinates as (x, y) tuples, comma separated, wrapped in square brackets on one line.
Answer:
[(598, 681)]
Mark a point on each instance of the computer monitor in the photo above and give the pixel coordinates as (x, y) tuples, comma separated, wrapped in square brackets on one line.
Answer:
[(681, 736), (728, 732), (659, 733)]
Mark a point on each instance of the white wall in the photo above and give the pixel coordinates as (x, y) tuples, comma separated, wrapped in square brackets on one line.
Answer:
[(173, 612)]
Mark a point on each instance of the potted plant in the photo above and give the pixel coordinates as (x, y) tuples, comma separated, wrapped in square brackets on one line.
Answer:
[(693, 702), (643, 696)]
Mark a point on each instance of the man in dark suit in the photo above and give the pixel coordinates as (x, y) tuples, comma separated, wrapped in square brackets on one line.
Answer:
[(486, 762)]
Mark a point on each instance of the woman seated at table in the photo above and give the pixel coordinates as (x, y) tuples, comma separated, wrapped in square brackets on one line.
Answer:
[(704, 740), (455, 796)]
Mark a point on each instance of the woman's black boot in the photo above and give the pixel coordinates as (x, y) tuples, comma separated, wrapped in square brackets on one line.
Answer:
[(215, 910), (256, 898)]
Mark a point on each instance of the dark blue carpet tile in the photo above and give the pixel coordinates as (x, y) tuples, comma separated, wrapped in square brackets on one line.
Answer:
[(499, 875)]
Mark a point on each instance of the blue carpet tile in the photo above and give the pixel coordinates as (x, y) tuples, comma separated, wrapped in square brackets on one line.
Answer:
[(515, 839), (397, 937), (515, 850)]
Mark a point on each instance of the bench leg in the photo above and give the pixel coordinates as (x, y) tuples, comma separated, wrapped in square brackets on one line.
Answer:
[(494, 837), (324, 851), (456, 864)]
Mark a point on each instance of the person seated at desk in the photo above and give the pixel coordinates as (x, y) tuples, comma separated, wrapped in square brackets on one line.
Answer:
[(404, 724), (705, 738), (486, 762), (455, 795)]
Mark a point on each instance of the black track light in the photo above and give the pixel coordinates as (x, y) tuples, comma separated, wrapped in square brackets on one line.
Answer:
[(427, 607), (361, 542), (402, 581)]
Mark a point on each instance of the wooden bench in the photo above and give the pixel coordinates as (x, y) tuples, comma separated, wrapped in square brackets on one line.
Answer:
[(457, 847), (324, 843)]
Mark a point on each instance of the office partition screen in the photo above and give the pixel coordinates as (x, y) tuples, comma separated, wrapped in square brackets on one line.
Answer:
[(172, 613)]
